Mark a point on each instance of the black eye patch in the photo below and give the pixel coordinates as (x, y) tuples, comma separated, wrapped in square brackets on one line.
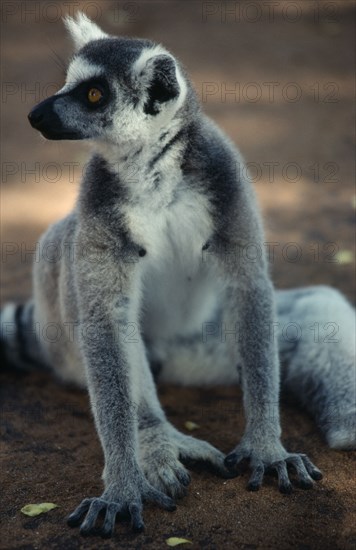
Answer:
[(81, 93)]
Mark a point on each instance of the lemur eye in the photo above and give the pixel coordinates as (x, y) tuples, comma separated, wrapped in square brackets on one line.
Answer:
[(94, 95)]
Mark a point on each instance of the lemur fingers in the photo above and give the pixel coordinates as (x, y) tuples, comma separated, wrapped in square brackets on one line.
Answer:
[(114, 502), (74, 519), (256, 478), (284, 485), (312, 470), (305, 469)]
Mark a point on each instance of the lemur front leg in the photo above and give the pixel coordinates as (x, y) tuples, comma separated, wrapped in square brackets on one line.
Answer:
[(158, 456), (249, 309), (251, 305), (106, 297)]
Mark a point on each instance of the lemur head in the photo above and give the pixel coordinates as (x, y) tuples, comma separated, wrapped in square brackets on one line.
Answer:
[(117, 90)]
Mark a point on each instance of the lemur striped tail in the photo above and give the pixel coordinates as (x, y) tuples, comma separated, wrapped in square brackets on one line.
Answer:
[(19, 342)]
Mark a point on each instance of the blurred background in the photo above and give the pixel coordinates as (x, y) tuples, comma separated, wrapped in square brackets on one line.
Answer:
[(277, 76)]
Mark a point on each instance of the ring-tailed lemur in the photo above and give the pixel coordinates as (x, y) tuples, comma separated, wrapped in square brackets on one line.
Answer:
[(153, 271)]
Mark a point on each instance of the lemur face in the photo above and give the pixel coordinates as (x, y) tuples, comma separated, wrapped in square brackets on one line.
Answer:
[(117, 90)]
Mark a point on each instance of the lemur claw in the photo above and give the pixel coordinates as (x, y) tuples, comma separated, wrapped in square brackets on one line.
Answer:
[(306, 471), (113, 505)]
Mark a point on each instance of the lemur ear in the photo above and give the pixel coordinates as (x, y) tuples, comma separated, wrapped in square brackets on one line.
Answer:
[(82, 30), (160, 77)]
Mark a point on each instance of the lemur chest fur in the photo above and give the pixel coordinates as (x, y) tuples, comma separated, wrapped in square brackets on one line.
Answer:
[(174, 275), (176, 228), (164, 212)]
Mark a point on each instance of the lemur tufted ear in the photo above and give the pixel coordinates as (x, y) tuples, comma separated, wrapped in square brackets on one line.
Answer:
[(83, 30), (160, 77)]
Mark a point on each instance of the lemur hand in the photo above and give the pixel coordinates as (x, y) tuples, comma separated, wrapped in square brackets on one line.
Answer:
[(118, 498), (266, 456)]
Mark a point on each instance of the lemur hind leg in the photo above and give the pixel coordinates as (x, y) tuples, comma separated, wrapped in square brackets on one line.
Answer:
[(163, 450), (317, 348)]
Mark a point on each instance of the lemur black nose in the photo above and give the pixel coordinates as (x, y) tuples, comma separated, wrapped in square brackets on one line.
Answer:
[(35, 117), (44, 118)]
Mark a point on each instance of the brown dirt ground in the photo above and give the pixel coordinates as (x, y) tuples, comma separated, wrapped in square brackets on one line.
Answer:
[(49, 449)]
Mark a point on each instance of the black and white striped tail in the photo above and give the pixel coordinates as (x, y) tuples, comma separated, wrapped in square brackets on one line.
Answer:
[(19, 342)]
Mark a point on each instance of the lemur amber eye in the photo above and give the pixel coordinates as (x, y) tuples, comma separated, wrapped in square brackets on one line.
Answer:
[(94, 95)]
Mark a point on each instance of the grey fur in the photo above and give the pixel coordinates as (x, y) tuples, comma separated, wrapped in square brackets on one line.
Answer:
[(154, 255)]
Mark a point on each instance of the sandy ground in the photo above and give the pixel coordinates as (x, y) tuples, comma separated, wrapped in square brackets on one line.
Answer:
[(291, 111)]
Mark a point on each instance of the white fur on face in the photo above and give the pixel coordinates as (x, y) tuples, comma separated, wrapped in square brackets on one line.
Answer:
[(80, 70), (83, 30)]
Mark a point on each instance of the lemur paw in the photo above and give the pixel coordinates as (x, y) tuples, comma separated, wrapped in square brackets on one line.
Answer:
[(275, 458), (192, 450), (159, 460), (164, 450), (118, 499)]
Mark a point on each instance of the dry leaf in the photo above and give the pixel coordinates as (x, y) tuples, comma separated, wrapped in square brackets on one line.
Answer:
[(37, 509), (175, 541), (344, 257), (189, 425)]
